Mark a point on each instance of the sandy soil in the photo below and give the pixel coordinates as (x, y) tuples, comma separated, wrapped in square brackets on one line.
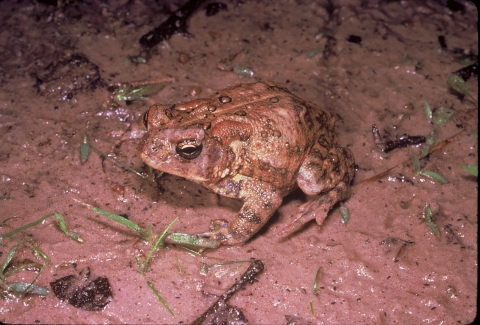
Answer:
[(384, 266)]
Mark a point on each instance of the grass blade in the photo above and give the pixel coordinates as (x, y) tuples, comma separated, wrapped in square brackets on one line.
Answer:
[(428, 111), (345, 213), (315, 282), (194, 240), (117, 218), (26, 287), (84, 150), (458, 84), (471, 169), (157, 243), (13, 232), (427, 215), (164, 303), (7, 260), (433, 176)]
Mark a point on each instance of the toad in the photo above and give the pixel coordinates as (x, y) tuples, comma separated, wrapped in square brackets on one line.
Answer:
[(255, 142)]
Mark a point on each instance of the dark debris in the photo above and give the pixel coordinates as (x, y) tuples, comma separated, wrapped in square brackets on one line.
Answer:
[(354, 39), (401, 141), (221, 312), (83, 292), (467, 72), (176, 23), (67, 76), (214, 8)]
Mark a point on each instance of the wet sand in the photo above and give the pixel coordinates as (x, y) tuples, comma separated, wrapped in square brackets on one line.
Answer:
[(366, 62)]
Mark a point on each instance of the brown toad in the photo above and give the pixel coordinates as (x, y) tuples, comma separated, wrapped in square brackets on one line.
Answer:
[(254, 142)]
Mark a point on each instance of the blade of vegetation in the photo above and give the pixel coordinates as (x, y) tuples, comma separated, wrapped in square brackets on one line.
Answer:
[(471, 169), (117, 218), (84, 149), (63, 225), (191, 251), (194, 240), (426, 173), (37, 251), (211, 266), (164, 303), (179, 266), (424, 150), (428, 111), (131, 93), (26, 287), (243, 71), (443, 115), (433, 176), (345, 213), (4, 222), (123, 221), (158, 243), (315, 282), (458, 84), (427, 215), (431, 138), (59, 219), (416, 163), (23, 267), (15, 231), (429, 141), (313, 53), (115, 160), (7, 260)]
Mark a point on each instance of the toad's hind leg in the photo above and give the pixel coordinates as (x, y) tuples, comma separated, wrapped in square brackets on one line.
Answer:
[(316, 208), (325, 176), (261, 200)]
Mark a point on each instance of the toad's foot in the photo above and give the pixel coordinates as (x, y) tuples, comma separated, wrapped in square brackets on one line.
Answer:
[(261, 200), (219, 231), (316, 208)]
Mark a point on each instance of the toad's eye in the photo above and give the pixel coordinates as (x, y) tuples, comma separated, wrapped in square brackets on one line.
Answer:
[(145, 119), (189, 149)]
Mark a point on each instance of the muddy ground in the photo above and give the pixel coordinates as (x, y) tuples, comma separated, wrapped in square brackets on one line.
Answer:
[(366, 61)]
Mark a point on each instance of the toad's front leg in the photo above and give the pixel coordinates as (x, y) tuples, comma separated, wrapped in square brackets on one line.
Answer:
[(261, 200)]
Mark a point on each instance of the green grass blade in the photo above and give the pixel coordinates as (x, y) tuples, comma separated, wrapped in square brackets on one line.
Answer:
[(227, 263), (416, 163), (13, 232), (115, 160), (433, 176), (194, 240), (344, 213), (26, 287), (443, 115), (243, 71), (315, 282), (431, 137), (63, 225), (84, 150), (158, 242), (458, 84), (4, 222), (427, 215), (164, 303), (37, 251), (124, 221), (471, 169), (7, 260), (22, 267), (428, 111)]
